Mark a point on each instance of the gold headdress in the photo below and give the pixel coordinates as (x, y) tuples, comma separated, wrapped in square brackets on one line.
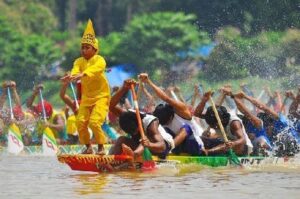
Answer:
[(89, 36)]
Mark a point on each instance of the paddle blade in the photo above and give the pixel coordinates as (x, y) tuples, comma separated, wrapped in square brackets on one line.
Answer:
[(233, 158), (147, 155), (14, 141), (49, 144)]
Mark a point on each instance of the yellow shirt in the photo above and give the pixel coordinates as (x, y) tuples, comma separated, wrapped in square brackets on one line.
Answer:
[(94, 84), (71, 125)]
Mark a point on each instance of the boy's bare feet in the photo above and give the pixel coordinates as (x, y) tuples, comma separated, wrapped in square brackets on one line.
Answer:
[(88, 150), (101, 150)]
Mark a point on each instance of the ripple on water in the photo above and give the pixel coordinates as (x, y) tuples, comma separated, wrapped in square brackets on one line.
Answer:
[(45, 177)]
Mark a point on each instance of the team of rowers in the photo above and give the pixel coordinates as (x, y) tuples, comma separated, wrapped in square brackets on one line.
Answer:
[(170, 123)]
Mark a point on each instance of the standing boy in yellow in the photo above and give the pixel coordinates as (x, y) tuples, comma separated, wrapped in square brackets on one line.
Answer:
[(90, 69)]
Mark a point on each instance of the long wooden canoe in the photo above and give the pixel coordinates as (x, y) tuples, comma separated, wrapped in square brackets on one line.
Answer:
[(112, 163), (69, 154)]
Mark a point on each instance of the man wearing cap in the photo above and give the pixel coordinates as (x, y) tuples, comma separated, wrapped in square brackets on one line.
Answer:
[(90, 69)]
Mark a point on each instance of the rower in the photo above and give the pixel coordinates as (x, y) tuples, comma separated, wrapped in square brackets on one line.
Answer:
[(176, 116), (157, 140), (54, 120), (234, 128)]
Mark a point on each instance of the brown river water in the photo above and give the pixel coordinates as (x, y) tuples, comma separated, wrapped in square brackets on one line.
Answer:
[(44, 177)]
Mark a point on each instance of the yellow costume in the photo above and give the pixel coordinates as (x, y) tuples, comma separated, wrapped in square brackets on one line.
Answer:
[(94, 90), (71, 125)]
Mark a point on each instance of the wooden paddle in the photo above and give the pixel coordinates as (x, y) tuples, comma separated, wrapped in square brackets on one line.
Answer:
[(231, 155), (14, 141), (147, 154)]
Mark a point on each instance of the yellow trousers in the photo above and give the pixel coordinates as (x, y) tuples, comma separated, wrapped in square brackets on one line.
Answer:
[(93, 117)]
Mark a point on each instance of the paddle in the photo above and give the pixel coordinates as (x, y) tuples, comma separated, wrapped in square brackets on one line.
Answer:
[(49, 143), (231, 155), (14, 141), (147, 154), (74, 95)]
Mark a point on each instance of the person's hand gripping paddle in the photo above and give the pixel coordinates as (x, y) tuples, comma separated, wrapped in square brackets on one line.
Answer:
[(233, 159), (147, 154)]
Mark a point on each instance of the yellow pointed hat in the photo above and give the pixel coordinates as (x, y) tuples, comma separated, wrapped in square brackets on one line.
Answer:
[(89, 36)]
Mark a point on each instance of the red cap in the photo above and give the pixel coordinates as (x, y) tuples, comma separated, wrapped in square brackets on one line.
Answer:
[(48, 109)]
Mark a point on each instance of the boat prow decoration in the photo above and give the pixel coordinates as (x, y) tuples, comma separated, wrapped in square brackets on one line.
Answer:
[(104, 163)]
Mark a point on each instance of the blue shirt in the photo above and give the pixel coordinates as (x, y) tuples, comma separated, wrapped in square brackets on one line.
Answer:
[(257, 132), (282, 125)]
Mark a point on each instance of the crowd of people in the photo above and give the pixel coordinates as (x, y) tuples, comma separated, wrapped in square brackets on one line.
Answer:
[(171, 122)]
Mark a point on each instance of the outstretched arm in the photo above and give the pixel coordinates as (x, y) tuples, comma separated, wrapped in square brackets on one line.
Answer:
[(96, 69), (180, 108), (241, 106), (262, 106)]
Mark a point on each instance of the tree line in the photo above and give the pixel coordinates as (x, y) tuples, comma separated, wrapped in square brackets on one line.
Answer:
[(258, 37)]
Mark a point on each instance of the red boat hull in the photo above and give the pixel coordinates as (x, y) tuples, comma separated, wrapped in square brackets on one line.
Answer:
[(104, 163)]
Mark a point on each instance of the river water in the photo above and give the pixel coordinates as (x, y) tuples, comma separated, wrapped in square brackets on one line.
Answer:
[(44, 177)]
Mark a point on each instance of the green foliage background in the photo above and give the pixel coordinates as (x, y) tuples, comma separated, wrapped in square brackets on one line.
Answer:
[(253, 39)]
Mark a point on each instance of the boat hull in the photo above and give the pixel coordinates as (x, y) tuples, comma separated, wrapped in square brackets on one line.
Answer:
[(104, 163)]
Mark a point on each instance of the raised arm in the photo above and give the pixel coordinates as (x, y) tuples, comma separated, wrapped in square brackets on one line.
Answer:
[(294, 105), (262, 106), (241, 107), (3, 94), (180, 107), (115, 99), (221, 98), (200, 107), (35, 92), (15, 94), (196, 94)]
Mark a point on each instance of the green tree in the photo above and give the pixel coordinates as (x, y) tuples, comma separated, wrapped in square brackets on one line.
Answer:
[(226, 60), (24, 58), (236, 56), (29, 17), (152, 41)]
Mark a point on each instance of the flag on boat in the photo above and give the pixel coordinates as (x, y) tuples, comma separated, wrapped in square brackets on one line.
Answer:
[(49, 143), (14, 141)]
